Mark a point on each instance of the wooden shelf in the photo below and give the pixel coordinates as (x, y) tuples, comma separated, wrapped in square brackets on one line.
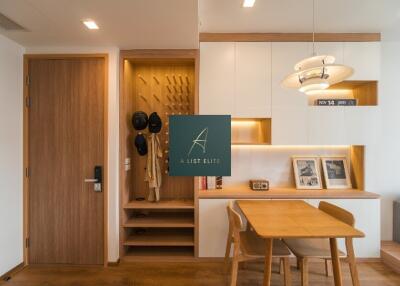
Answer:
[(160, 253), (364, 91), (162, 237), (244, 192), (162, 220), (168, 204), (251, 131)]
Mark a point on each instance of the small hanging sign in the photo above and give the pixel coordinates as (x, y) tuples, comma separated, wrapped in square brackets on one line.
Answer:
[(200, 145)]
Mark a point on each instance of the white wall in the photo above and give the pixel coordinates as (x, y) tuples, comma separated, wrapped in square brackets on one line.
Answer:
[(11, 161), (113, 134), (273, 162), (387, 167)]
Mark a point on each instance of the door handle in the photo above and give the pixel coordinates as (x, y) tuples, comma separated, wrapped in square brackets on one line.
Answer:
[(97, 180)]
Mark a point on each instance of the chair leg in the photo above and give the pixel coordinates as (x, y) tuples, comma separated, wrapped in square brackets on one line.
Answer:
[(287, 274), (352, 262), (298, 263), (228, 252), (304, 271), (280, 270), (327, 267), (235, 264)]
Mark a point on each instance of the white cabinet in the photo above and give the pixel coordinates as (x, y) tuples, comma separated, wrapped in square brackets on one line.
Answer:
[(217, 76), (253, 80), (361, 124), (284, 58), (367, 215), (289, 126), (326, 125), (235, 78), (331, 49), (364, 58), (213, 225)]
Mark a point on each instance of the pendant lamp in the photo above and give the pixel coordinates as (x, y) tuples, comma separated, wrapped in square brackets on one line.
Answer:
[(317, 72)]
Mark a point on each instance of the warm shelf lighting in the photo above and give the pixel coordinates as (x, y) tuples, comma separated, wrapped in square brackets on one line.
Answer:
[(243, 123), (91, 25), (248, 3)]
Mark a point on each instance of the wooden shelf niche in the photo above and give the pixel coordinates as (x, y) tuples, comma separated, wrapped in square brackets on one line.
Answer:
[(365, 92), (251, 131), (162, 82)]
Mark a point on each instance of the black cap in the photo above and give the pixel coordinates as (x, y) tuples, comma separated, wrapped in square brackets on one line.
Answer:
[(140, 120), (141, 144), (155, 123)]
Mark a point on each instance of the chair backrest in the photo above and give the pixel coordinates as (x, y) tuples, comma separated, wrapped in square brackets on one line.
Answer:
[(235, 221), (337, 212)]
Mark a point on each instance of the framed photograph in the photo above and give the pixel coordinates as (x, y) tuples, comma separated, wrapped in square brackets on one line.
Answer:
[(306, 173), (336, 173)]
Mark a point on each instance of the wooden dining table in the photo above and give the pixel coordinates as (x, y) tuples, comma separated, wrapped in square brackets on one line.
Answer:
[(278, 219)]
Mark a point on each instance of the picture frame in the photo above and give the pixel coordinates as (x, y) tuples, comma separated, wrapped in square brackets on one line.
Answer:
[(307, 173), (336, 172)]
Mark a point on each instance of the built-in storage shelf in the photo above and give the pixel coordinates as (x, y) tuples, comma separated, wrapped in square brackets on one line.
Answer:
[(365, 92), (251, 131), (164, 82), (161, 237), (244, 192), (162, 220), (167, 204), (159, 253)]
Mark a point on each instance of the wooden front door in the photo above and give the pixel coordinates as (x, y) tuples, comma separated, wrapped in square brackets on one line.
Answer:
[(66, 141)]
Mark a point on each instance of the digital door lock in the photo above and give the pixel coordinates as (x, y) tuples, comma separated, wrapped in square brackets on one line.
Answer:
[(97, 180)]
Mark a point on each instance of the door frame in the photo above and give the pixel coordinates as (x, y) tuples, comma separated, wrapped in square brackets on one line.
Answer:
[(27, 58)]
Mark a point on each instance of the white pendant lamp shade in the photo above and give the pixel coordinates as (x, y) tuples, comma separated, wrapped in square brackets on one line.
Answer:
[(316, 73)]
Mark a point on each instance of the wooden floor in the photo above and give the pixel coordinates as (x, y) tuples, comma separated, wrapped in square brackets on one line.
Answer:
[(390, 253), (192, 274)]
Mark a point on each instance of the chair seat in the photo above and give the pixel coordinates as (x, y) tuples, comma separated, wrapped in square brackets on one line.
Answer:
[(311, 247), (253, 245)]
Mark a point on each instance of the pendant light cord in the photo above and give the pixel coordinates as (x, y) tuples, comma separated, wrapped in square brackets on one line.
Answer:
[(313, 27)]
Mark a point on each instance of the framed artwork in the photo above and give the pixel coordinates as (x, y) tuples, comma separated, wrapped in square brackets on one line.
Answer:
[(336, 173), (306, 173)]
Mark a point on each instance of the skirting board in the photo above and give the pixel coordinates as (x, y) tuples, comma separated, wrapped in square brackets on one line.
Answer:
[(113, 263), (13, 271)]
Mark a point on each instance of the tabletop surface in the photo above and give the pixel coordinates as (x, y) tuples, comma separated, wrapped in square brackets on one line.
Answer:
[(293, 218)]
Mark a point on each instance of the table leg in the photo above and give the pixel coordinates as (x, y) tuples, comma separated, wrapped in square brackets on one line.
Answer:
[(268, 261), (337, 274), (352, 261)]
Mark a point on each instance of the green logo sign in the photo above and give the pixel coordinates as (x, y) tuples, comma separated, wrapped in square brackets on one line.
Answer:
[(200, 145)]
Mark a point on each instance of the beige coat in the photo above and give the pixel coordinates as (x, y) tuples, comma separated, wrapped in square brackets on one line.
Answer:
[(153, 170)]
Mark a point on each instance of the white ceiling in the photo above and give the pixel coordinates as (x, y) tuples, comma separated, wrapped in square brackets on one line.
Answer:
[(296, 15), (126, 24), (162, 24)]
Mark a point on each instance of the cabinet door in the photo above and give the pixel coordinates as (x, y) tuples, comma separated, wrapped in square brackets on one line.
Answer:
[(326, 125), (289, 126), (367, 215), (253, 80), (364, 58), (217, 75), (361, 125), (284, 58), (331, 49)]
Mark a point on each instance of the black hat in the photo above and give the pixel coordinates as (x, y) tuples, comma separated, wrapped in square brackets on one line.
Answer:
[(154, 123), (139, 120), (141, 144)]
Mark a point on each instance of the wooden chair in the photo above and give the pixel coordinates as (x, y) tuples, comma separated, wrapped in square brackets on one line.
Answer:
[(247, 245), (304, 249)]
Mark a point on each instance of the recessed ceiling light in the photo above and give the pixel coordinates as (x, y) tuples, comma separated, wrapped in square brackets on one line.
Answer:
[(91, 25), (248, 3)]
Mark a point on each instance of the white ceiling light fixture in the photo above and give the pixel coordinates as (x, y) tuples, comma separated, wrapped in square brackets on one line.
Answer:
[(317, 72), (90, 24), (248, 3)]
